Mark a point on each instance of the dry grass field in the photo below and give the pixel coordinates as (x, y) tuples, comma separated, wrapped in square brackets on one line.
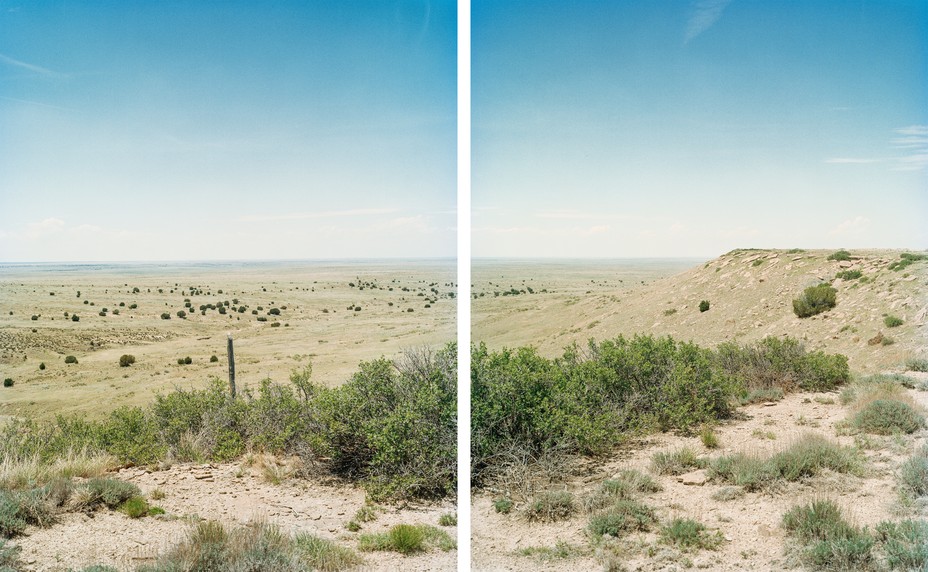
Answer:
[(316, 324)]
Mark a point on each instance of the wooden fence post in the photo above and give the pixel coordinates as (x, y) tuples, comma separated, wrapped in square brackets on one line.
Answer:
[(231, 368)]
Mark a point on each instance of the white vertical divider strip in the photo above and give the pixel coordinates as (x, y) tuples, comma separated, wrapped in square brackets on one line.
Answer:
[(463, 281)]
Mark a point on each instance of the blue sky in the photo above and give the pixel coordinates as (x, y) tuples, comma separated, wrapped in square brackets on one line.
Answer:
[(227, 130), (689, 128)]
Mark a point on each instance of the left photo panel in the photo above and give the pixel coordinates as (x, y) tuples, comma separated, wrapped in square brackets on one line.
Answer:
[(228, 286)]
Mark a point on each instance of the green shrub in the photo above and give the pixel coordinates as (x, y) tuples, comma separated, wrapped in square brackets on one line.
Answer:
[(181, 314), (886, 417), (840, 255), (623, 517), (70, 359), (709, 438), (689, 534), (134, 507), (110, 493), (8, 382), (448, 519), (213, 358), (274, 312), (75, 318), (782, 364), (916, 364), (42, 366), (126, 360), (628, 485), (913, 475), (324, 555), (906, 259), (550, 506), (502, 505), (704, 306), (849, 274), (676, 462), (893, 321), (804, 458), (830, 541), (9, 556), (34, 317), (165, 316), (407, 539), (815, 300), (905, 544)]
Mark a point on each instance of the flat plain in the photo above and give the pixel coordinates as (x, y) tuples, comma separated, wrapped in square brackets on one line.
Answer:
[(333, 315)]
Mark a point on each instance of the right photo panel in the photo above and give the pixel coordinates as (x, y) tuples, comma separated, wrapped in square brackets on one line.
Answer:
[(699, 285)]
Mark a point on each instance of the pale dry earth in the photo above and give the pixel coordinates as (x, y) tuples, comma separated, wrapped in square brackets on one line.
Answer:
[(233, 494), (315, 326), (754, 539), (750, 294)]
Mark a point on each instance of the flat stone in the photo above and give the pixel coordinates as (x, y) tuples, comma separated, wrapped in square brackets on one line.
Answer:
[(694, 478)]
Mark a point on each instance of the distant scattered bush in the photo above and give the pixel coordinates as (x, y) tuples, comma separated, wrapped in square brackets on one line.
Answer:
[(906, 260), (849, 274), (213, 358), (8, 382), (676, 462), (502, 505), (893, 321), (75, 318), (70, 359), (126, 360), (275, 324), (274, 312), (262, 318), (704, 306), (133, 306), (34, 317), (181, 314), (815, 300), (840, 255), (689, 534), (165, 316), (42, 365)]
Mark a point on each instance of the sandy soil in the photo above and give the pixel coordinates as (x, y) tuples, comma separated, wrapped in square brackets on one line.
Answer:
[(754, 539), (315, 326), (232, 494)]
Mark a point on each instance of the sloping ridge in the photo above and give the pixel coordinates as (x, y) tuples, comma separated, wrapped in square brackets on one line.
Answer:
[(750, 293)]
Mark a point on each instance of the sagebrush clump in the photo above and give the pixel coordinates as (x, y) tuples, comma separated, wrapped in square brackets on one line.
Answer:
[(815, 300)]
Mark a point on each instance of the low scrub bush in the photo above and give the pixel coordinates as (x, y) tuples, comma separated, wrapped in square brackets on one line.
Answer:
[(916, 364), (676, 462), (830, 542), (8, 382), (906, 259), (550, 506), (502, 505), (621, 518), (893, 321), (886, 417), (70, 359), (913, 475), (126, 360), (165, 316), (709, 438), (689, 534), (784, 364), (905, 544), (840, 255), (815, 300), (629, 484), (407, 539), (804, 458), (255, 546), (704, 306), (849, 274)]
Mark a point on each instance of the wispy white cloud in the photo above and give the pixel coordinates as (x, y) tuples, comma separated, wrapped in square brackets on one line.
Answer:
[(705, 14), (315, 215), (44, 228), (913, 141), (31, 67), (851, 160), (856, 225)]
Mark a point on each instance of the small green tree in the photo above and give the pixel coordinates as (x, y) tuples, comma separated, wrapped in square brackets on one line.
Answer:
[(70, 359), (704, 306), (126, 360), (815, 300), (301, 379), (165, 316)]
